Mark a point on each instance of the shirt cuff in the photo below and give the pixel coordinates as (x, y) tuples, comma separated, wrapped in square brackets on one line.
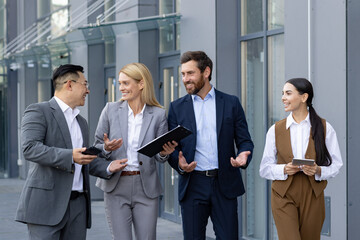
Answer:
[(279, 172), (181, 171), (163, 157), (106, 152), (108, 170), (318, 177)]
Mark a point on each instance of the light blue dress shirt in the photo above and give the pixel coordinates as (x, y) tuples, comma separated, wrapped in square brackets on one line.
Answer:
[(206, 153)]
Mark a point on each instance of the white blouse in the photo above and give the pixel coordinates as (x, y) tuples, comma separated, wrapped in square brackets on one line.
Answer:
[(299, 134)]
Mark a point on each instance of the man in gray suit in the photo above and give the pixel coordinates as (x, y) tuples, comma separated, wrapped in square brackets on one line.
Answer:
[(55, 201)]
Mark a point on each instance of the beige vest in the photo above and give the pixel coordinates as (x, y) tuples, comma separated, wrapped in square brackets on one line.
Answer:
[(285, 155)]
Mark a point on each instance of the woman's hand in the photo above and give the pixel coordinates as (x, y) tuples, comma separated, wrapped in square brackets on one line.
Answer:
[(113, 144), (168, 147), (117, 165), (291, 169), (311, 170)]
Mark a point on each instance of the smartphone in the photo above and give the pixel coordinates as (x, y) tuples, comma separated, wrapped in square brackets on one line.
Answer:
[(303, 161), (92, 151)]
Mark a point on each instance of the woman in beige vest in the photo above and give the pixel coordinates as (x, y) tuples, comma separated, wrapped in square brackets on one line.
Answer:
[(297, 194)]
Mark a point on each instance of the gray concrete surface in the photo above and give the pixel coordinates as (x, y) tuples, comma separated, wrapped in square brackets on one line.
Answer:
[(10, 190)]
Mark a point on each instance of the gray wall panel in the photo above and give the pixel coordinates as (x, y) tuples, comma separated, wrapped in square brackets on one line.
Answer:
[(227, 47), (295, 39), (328, 75), (96, 103), (148, 52), (12, 21), (29, 12), (329, 81), (353, 116), (198, 29)]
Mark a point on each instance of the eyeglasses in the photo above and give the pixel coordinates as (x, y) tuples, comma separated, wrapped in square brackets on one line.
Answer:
[(86, 84)]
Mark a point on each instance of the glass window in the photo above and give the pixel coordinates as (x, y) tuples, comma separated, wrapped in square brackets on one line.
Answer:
[(253, 98), (166, 38), (262, 79), (251, 16), (2, 20), (182, 90), (2, 26), (177, 31), (59, 21), (276, 78), (52, 14), (169, 192), (166, 6), (168, 80), (111, 87), (169, 35), (178, 2), (275, 14), (56, 4)]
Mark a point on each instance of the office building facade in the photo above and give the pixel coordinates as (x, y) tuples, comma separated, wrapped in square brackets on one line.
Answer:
[(256, 45)]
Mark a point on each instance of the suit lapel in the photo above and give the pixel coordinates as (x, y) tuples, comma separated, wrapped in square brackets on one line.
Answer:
[(60, 119), (190, 114), (219, 101), (123, 122), (147, 117), (84, 132)]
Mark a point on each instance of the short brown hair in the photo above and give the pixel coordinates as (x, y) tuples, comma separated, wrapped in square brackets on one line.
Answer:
[(200, 57)]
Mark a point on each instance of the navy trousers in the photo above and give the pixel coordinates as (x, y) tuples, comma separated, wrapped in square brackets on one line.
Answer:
[(203, 199)]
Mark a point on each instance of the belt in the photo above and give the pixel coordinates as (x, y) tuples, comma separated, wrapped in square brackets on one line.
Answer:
[(208, 173), (129, 173), (75, 195)]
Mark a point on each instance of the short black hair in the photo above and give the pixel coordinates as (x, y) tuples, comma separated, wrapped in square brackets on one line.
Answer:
[(61, 72), (200, 57)]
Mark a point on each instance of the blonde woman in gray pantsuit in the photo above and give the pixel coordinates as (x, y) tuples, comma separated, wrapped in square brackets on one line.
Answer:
[(131, 195)]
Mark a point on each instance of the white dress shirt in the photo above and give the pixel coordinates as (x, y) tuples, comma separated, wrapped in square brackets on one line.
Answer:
[(134, 128), (206, 152), (299, 135), (76, 140)]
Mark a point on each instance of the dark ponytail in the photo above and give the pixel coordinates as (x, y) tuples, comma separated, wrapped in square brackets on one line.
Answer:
[(323, 157)]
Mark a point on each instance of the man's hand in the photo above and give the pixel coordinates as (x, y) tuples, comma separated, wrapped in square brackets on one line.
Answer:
[(113, 144), (80, 158), (168, 147), (291, 169), (184, 165), (240, 160), (117, 165)]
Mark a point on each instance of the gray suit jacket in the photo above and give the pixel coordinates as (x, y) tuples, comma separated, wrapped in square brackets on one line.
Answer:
[(114, 121), (46, 143)]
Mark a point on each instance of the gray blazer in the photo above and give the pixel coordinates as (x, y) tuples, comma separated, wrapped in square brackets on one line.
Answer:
[(46, 143), (114, 121)]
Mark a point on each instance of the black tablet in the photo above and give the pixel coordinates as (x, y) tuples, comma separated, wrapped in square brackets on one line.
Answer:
[(156, 145), (303, 161)]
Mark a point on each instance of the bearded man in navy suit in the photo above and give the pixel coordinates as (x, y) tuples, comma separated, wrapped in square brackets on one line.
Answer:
[(210, 179)]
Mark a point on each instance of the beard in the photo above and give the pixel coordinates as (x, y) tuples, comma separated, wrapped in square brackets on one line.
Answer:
[(198, 85)]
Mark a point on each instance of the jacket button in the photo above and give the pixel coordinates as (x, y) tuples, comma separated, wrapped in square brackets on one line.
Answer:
[(140, 162)]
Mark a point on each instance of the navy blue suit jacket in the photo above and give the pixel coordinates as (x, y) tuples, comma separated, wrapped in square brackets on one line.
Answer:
[(231, 128)]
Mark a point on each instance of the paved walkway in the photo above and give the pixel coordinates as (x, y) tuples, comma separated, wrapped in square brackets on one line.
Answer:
[(10, 190)]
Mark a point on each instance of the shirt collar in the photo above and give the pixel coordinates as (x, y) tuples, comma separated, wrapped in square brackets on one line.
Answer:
[(211, 94), (130, 112), (66, 108), (290, 120)]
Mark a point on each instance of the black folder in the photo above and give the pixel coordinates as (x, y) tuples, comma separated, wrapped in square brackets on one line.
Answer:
[(156, 145)]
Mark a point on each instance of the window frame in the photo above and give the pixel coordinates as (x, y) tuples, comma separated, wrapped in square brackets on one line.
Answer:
[(264, 34)]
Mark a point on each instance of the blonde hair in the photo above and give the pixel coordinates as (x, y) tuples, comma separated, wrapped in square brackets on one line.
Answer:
[(138, 72)]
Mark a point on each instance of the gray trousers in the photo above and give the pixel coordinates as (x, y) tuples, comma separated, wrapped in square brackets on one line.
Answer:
[(128, 205), (71, 227)]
